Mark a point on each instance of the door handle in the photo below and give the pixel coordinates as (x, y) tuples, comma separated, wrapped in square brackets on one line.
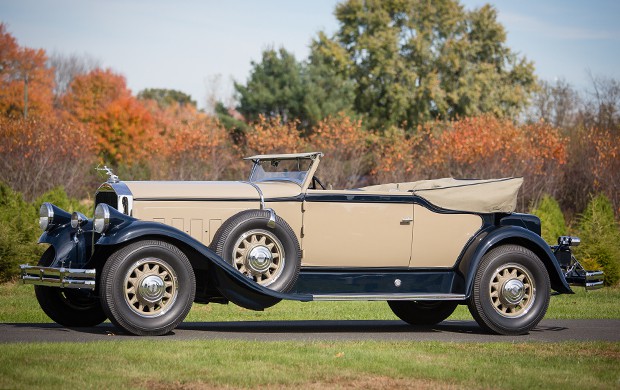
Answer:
[(406, 220)]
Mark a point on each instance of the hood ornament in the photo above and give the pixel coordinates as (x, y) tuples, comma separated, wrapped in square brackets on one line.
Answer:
[(112, 178)]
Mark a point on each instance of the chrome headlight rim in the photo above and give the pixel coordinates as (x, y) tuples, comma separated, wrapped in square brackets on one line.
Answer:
[(46, 216), (101, 220)]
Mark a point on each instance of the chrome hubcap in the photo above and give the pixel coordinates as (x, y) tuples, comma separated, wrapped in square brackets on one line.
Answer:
[(260, 259), (512, 290), (150, 287), (259, 255)]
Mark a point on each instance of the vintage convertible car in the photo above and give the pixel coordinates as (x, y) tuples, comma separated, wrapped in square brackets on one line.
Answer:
[(154, 248)]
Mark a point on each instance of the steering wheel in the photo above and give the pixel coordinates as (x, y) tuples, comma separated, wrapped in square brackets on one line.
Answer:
[(316, 180)]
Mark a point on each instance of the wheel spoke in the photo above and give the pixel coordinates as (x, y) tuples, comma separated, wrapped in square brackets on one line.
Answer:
[(150, 287)]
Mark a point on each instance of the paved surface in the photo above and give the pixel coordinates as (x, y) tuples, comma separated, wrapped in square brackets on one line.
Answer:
[(459, 331)]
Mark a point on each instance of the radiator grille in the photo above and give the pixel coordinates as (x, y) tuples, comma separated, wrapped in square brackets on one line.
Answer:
[(108, 198)]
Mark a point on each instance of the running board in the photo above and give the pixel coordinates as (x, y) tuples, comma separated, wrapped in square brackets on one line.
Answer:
[(389, 297)]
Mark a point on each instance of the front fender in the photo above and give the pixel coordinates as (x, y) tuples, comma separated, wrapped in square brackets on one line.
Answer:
[(71, 249), (511, 235), (231, 283)]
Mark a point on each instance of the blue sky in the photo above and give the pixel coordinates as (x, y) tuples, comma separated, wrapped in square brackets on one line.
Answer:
[(188, 44)]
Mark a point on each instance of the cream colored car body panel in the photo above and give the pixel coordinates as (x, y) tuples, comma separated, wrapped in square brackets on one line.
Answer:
[(348, 234), (191, 190), (438, 239), (199, 219)]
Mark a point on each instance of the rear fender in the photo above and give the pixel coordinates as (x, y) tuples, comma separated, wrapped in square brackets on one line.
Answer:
[(511, 235), (233, 285)]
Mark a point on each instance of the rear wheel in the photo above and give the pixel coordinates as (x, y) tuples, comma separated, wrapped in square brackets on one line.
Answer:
[(147, 288), (68, 307), (511, 291), (423, 312)]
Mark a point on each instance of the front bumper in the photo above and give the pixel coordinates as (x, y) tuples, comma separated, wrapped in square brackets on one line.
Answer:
[(58, 277)]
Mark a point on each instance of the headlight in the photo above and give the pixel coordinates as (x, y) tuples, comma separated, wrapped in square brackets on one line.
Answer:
[(102, 218), (46, 216), (78, 219)]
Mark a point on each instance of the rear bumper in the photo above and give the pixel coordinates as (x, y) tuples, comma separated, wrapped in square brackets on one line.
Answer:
[(58, 277), (591, 280)]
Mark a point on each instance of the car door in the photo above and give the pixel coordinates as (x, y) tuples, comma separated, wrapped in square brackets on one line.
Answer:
[(352, 229)]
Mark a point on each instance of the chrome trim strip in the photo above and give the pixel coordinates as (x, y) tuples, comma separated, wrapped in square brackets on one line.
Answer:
[(58, 277), (389, 297)]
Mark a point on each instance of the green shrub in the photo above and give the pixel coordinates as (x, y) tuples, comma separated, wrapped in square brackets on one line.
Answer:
[(600, 237), (19, 232), (19, 226), (551, 218), (58, 196)]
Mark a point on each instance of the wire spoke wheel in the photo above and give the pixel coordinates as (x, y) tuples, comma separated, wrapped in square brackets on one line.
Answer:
[(150, 287), (259, 255)]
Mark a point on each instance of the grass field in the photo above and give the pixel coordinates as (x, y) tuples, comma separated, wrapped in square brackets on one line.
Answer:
[(18, 304), (165, 364)]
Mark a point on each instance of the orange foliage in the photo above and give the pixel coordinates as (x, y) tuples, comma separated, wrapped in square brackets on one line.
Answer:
[(120, 124), (37, 155), (479, 147), (197, 150), (397, 154), (123, 130), (486, 145), (90, 94), (605, 163), (273, 136), (22, 67), (343, 141)]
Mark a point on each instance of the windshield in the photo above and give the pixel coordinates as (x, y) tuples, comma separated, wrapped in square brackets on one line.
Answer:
[(294, 170)]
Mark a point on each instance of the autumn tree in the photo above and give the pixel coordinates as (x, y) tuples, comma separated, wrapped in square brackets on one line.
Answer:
[(272, 135), (26, 82), (413, 61), (120, 124), (344, 143), (38, 154)]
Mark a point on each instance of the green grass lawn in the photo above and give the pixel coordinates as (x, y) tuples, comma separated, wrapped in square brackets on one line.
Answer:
[(167, 364), (18, 304), (351, 365)]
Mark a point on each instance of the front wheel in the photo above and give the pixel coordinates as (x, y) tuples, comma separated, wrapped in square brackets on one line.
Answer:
[(68, 307), (423, 312), (147, 288), (511, 291)]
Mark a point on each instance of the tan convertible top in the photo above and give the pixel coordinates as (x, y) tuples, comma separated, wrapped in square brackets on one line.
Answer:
[(480, 196)]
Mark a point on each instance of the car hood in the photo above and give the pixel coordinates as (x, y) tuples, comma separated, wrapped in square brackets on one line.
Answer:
[(216, 190)]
